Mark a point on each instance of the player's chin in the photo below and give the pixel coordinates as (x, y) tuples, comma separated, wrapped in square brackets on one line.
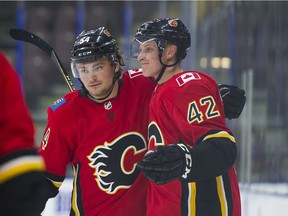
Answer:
[(146, 72), (97, 93)]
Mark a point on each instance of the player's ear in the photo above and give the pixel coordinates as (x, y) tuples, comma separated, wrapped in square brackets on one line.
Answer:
[(171, 51), (117, 67)]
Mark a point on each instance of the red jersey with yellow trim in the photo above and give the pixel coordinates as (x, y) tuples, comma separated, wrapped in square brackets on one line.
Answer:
[(185, 109), (18, 153), (103, 142), (18, 131)]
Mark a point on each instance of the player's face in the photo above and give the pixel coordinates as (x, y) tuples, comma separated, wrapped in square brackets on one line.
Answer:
[(97, 77), (149, 58)]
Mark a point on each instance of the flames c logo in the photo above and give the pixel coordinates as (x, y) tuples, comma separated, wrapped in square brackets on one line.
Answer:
[(115, 162)]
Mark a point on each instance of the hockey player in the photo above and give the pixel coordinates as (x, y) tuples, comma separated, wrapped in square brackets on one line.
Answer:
[(101, 129), (22, 182), (192, 152)]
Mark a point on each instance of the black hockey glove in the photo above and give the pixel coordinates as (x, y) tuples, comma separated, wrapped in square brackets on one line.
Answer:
[(25, 195), (234, 100), (166, 163)]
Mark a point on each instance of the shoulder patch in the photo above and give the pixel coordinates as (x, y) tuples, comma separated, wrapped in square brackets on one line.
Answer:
[(134, 73), (56, 104), (186, 77)]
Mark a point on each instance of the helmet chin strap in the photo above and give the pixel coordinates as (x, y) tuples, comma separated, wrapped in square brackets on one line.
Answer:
[(164, 66)]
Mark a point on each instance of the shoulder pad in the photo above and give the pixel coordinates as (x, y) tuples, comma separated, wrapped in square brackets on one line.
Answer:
[(56, 104), (134, 73), (187, 77)]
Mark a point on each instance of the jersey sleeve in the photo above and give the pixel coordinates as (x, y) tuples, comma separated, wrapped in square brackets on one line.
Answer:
[(55, 146), (200, 123), (18, 130), (18, 153), (194, 108)]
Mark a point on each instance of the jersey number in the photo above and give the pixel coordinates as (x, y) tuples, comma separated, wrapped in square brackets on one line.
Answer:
[(195, 113)]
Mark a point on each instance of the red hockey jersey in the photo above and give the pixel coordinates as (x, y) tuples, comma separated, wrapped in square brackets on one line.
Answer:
[(17, 130), (18, 153), (103, 142), (185, 109)]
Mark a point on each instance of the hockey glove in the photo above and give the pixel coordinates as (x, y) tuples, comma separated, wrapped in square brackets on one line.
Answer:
[(166, 163), (234, 100), (26, 194)]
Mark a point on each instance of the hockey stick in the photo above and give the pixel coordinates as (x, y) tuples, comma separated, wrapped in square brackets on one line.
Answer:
[(23, 35)]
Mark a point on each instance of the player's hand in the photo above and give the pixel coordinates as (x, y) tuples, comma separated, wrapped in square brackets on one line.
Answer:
[(166, 163), (234, 100)]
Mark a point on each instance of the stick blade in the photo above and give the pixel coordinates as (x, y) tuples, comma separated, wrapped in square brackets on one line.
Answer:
[(23, 35), (26, 36)]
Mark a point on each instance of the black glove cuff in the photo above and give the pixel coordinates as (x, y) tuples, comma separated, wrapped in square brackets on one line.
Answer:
[(184, 149)]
